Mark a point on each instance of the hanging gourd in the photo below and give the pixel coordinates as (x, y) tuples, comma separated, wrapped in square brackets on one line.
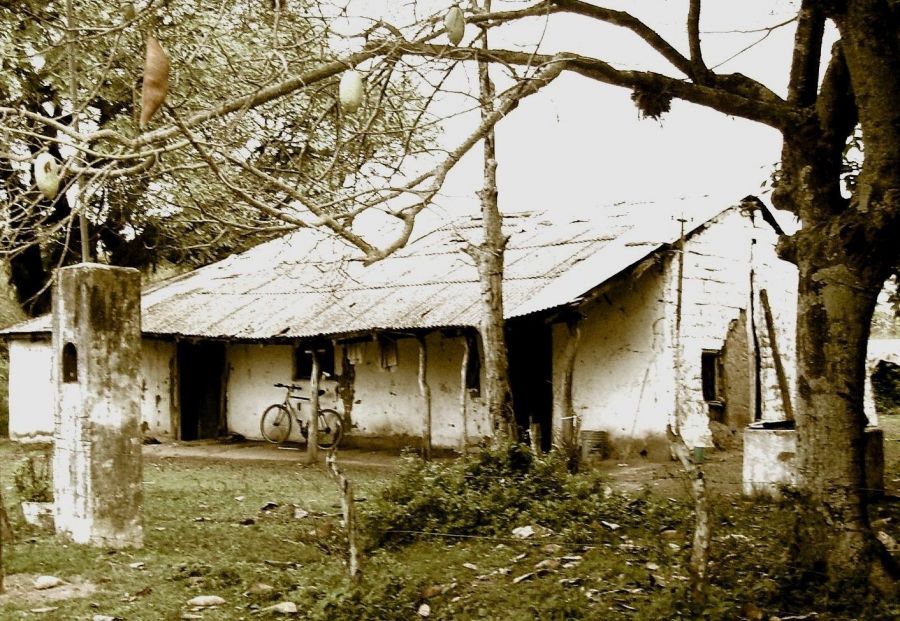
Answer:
[(351, 91), (46, 175), (455, 24), (156, 80), (128, 12)]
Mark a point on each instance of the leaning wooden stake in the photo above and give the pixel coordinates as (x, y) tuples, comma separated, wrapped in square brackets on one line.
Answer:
[(348, 507), (783, 385), (699, 565)]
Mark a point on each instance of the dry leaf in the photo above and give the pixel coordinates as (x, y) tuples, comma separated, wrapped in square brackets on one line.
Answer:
[(156, 80)]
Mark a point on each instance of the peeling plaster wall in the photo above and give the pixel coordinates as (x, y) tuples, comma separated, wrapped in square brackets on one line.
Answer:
[(252, 371), (157, 366), (622, 378), (30, 391), (715, 287), (387, 401)]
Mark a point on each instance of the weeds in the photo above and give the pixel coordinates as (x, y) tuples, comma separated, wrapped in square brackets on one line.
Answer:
[(33, 479)]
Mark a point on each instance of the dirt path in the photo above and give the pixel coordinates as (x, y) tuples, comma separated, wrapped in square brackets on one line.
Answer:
[(262, 451)]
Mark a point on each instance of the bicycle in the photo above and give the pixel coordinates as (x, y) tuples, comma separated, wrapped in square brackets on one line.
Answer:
[(275, 424)]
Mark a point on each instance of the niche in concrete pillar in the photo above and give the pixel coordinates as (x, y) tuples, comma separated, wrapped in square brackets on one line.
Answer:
[(69, 363), (97, 467)]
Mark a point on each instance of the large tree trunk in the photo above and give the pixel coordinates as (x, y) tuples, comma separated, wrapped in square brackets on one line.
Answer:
[(835, 305), (488, 258)]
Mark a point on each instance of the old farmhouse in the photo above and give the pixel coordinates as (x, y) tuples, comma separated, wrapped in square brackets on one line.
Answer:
[(592, 300)]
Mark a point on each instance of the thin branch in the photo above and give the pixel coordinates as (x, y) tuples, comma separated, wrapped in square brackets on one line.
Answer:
[(698, 67)]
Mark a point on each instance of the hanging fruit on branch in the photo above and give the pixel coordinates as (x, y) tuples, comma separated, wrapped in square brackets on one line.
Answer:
[(455, 24), (351, 91), (46, 175), (156, 80)]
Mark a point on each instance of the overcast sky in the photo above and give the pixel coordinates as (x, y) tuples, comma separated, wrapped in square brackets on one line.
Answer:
[(580, 143)]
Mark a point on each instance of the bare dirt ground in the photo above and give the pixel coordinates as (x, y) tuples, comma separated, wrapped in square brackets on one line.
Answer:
[(263, 451)]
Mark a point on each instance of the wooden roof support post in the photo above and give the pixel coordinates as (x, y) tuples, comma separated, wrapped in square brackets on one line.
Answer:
[(776, 356), (463, 393), (312, 446), (425, 391), (568, 428)]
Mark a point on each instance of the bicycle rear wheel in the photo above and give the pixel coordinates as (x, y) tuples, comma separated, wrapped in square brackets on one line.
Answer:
[(275, 424), (330, 429)]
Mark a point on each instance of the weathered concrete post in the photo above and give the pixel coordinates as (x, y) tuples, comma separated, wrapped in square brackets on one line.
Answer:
[(97, 468)]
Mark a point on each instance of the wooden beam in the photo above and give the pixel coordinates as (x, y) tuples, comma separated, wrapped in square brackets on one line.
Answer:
[(463, 393), (776, 355), (425, 391)]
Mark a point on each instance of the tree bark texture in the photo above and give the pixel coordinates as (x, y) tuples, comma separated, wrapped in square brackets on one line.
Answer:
[(489, 260), (312, 445)]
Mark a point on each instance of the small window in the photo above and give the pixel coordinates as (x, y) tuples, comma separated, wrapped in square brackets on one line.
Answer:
[(709, 373), (303, 359), (473, 367), (69, 363), (387, 349)]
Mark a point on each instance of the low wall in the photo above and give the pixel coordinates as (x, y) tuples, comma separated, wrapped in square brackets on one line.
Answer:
[(770, 460)]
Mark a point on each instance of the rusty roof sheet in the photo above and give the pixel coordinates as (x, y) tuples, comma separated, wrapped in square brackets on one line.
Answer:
[(307, 284)]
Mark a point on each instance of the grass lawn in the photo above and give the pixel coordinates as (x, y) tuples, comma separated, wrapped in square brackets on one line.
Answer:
[(205, 534)]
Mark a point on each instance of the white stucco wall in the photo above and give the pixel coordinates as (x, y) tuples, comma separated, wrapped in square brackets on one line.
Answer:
[(622, 379), (157, 389), (252, 369), (715, 287), (387, 401), (30, 390)]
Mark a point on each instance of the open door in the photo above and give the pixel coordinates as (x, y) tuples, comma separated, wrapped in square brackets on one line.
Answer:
[(530, 346), (201, 369)]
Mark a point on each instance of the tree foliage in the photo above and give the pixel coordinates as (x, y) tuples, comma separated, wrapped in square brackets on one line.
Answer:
[(161, 202)]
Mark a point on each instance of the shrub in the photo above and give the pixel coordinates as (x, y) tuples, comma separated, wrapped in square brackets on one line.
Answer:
[(33, 479), (490, 493)]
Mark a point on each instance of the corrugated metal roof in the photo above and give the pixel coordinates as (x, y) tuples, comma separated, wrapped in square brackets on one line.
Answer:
[(307, 284)]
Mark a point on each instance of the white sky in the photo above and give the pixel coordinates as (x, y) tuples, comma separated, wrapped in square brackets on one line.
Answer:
[(579, 143)]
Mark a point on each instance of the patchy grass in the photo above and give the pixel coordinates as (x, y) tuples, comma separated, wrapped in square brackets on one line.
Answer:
[(627, 559)]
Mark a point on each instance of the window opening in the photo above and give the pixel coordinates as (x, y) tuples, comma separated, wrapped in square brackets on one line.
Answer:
[(709, 373), (303, 359)]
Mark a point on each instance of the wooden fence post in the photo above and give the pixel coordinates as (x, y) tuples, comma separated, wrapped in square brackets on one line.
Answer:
[(312, 447), (348, 507)]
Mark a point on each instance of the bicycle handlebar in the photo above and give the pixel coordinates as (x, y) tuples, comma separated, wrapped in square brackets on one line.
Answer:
[(295, 387), (291, 386)]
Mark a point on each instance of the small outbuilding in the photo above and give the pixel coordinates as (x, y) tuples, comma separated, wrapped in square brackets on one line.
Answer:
[(621, 320)]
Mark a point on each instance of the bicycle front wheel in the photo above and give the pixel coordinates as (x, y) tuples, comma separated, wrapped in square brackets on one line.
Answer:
[(275, 424), (330, 429)]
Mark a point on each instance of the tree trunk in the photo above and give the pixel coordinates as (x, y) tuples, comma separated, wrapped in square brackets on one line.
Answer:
[(835, 306), (489, 261)]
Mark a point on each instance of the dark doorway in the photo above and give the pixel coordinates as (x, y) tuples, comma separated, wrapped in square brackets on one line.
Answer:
[(200, 376), (530, 346)]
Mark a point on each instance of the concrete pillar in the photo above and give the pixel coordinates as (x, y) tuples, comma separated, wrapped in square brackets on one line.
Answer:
[(97, 468)]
